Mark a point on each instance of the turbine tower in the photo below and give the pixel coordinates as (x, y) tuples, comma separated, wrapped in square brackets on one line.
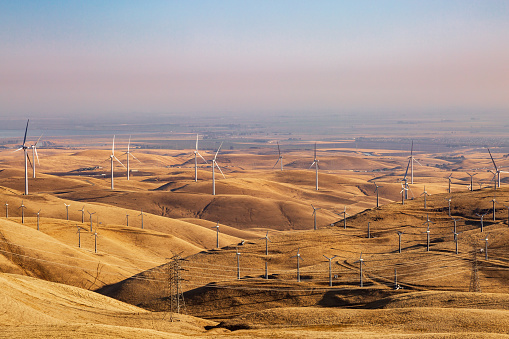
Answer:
[(330, 268), (361, 262), (35, 155), (82, 210), (314, 215), (267, 240), (315, 163), (67, 210), (26, 157), (127, 163), (112, 156), (22, 212), (299, 258), (214, 164), (217, 234), (196, 154), (482, 220), (425, 195), (472, 181), (376, 191), (280, 158), (427, 231)]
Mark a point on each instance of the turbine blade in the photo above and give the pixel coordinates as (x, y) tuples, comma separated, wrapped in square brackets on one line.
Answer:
[(496, 169), (19, 149), (113, 146), (28, 157), (408, 165), (202, 157), (37, 155), (315, 150), (128, 144), (219, 169), (38, 140), (276, 163), (278, 149), (218, 150), (135, 157), (418, 162), (412, 149), (119, 162), (26, 130), (196, 142), (314, 162)]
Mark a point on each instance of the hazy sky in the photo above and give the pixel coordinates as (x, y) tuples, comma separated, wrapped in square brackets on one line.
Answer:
[(122, 57)]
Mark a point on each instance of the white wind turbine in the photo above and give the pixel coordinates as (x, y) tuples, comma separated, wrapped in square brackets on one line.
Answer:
[(196, 154), (411, 160), (214, 164), (26, 157), (35, 155), (280, 158), (497, 171), (112, 156), (314, 215), (315, 163), (128, 153)]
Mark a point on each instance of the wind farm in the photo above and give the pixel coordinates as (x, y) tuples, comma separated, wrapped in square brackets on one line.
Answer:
[(179, 214), (254, 169)]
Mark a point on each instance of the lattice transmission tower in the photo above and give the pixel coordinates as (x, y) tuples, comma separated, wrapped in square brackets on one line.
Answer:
[(176, 296)]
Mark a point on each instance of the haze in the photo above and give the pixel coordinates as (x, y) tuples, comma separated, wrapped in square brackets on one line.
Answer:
[(95, 58)]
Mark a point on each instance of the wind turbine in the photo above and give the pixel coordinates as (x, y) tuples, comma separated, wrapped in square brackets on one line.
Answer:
[(266, 237), (22, 212), (95, 241), (217, 234), (315, 163), (127, 163), (455, 220), (497, 171), (35, 155), (214, 164), (6, 211), (314, 215), (425, 195), (344, 217), (330, 268), (79, 235), (472, 181), (456, 239), (112, 156), (376, 191), (82, 210), (411, 160), (196, 154), (90, 219), (482, 220), (486, 247), (67, 210), (360, 261), (427, 231), (299, 258), (280, 158), (38, 215), (449, 178), (403, 192), (26, 157), (238, 263)]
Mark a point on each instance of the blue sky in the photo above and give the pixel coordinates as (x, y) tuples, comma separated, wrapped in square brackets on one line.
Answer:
[(123, 57)]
